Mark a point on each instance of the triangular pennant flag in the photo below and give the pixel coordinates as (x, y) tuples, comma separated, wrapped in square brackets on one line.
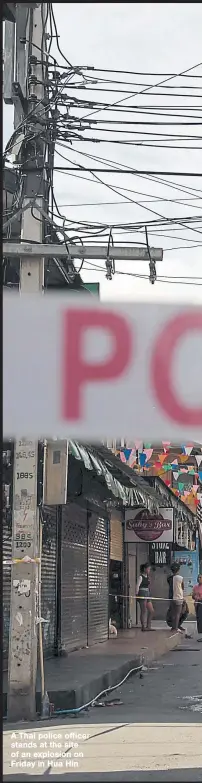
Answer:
[(198, 458), (142, 459), (181, 486), (188, 450), (183, 449), (195, 488), (161, 458), (175, 462), (122, 456), (127, 453), (138, 444), (200, 475), (175, 475), (166, 467), (183, 457), (148, 453), (148, 446), (165, 444), (132, 457)]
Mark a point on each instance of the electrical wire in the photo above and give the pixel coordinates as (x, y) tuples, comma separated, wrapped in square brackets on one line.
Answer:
[(57, 130), (126, 197), (158, 84), (93, 701)]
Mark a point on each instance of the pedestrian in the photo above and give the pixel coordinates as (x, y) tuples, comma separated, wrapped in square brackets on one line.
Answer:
[(197, 597), (184, 608), (143, 593), (178, 598)]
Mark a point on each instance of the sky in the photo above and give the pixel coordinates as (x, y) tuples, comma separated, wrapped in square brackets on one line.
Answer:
[(139, 37)]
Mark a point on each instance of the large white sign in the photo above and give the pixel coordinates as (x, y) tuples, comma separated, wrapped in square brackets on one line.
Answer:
[(75, 368), (141, 526)]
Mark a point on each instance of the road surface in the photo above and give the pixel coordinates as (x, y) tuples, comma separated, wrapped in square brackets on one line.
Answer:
[(155, 734)]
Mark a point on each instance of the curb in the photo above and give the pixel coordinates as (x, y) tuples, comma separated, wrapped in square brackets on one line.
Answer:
[(72, 698)]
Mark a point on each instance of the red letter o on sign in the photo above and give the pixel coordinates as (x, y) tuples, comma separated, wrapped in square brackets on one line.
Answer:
[(162, 369)]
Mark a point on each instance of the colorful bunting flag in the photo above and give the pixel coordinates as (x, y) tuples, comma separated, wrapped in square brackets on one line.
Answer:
[(166, 444), (198, 458), (181, 486), (148, 453), (142, 459), (132, 458), (162, 458), (138, 444), (127, 453)]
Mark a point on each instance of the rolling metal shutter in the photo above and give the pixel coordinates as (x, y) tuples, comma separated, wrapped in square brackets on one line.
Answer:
[(74, 587), (48, 577), (98, 580), (7, 553), (116, 539)]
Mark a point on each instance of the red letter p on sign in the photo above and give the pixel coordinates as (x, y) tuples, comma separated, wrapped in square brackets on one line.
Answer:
[(78, 372)]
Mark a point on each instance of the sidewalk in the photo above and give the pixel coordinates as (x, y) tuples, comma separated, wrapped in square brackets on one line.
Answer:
[(75, 679)]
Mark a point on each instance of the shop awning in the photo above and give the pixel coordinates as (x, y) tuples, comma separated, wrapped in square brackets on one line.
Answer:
[(121, 480)]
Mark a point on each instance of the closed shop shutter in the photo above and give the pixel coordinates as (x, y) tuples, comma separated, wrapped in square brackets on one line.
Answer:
[(98, 580), (48, 577), (7, 552), (116, 539), (74, 586)]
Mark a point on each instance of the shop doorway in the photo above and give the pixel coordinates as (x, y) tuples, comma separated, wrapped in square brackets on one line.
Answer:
[(116, 593)]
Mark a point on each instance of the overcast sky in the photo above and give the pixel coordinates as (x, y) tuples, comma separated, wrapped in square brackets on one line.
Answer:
[(140, 37)]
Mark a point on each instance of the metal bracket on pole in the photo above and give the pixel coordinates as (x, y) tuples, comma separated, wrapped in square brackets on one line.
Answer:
[(115, 253)]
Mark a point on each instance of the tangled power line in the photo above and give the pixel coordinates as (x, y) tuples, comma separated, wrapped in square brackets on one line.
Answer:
[(143, 110)]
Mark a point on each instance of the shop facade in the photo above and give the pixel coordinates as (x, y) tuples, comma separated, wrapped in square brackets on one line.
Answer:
[(158, 550), (84, 560)]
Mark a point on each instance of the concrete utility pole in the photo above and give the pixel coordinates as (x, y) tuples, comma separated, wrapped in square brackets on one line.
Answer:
[(25, 535), (27, 93)]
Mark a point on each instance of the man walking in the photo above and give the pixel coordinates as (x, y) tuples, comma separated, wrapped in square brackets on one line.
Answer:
[(178, 598), (171, 610)]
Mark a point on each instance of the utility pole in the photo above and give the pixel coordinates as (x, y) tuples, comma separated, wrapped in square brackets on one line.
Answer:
[(25, 531)]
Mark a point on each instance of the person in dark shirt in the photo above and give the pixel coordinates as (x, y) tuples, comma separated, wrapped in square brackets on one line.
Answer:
[(143, 593)]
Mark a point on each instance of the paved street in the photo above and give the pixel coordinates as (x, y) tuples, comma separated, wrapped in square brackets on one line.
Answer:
[(154, 735)]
